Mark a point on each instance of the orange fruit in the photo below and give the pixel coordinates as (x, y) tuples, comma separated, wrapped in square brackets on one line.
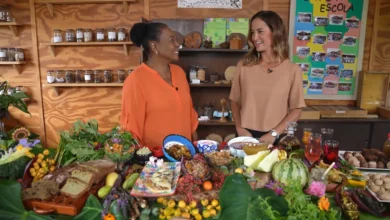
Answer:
[(207, 185)]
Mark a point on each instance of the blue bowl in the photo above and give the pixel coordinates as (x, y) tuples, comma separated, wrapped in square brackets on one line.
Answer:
[(207, 146), (177, 139)]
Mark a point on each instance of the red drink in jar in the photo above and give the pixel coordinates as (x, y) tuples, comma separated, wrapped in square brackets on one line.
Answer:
[(331, 151)]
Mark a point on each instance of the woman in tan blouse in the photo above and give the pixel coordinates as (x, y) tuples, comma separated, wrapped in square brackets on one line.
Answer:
[(267, 90)]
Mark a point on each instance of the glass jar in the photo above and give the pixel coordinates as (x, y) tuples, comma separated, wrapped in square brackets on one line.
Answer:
[(121, 76), (70, 36), (57, 36), (201, 74), (107, 76), (87, 35), (69, 76), (50, 76), (111, 32), (9, 17), (19, 54), (88, 76), (79, 77), (98, 76), (60, 76), (79, 35), (128, 73), (121, 34), (3, 54), (3, 13), (11, 54), (100, 34)]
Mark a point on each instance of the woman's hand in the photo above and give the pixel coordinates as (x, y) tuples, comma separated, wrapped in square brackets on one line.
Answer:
[(268, 138), (243, 132)]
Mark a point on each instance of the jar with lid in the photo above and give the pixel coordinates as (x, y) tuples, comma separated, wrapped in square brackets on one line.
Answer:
[(121, 76), (98, 76), (50, 76), (70, 36), (11, 54), (201, 73), (3, 12), (19, 54), (60, 76), (128, 73), (69, 76), (9, 17), (79, 35), (57, 36), (88, 76), (100, 34), (111, 32), (79, 77), (87, 35), (3, 54), (121, 34), (107, 76)]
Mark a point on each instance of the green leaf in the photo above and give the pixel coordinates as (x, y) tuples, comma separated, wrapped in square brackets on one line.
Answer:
[(92, 210), (11, 206), (116, 211), (278, 203)]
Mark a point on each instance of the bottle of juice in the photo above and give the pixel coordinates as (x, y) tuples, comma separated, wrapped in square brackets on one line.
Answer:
[(386, 145), (290, 142)]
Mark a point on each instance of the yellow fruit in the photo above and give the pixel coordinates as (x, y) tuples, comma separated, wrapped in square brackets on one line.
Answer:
[(36, 167), (187, 208), (214, 202), (204, 202), (185, 215), (194, 212), (35, 164), (198, 217), (32, 170), (33, 173), (168, 217), (111, 178), (206, 214), (209, 207), (218, 208), (167, 211), (239, 170), (171, 203), (43, 164), (182, 204), (213, 212), (40, 156), (193, 204), (39, 160), (160, 200), (52, 168), (177, 213), (165, 202), (161, 216), (46, 152), (41, 170)]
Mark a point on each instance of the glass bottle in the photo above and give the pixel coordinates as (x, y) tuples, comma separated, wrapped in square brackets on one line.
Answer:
[(87, 35), (60, 76), (11, 54), (50, 76), (88, 76), (100, 34), (79, 35), (69, 76), (97, 75), (3, 54), (121, 76), (70, 36), (2, 14), (386, 145), (57, 36), (111, 32), (19, 54), (121, 34), (290, 142), (79, 76), (107, 76)]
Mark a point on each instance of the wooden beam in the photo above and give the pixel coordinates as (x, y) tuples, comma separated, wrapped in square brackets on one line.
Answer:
[(50, 8), (14, 30), (56, 91), (125, 50), (265, 5), (17, 68), (147, 9), (60, 2), (52, 50), (125, 7)]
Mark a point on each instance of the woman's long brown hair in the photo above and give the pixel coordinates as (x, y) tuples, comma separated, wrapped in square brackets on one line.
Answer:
[(280, 46)]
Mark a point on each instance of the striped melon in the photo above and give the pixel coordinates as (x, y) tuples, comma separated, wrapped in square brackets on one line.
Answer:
[(290, 169)]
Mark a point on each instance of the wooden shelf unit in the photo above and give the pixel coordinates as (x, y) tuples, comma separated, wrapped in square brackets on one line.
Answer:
[(211, 50), (125, 44), (13, 26), (50, 3), (15, 64), (56, 86)]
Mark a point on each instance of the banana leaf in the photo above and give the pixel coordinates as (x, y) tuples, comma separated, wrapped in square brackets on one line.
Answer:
[(92, 210)]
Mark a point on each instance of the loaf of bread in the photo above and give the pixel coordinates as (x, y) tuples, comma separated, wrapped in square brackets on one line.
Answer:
[(51, 186), (35, 193), (74, 188), (84, 175)]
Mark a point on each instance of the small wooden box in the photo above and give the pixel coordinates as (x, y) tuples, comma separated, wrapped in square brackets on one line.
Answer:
[(309, 113), (236, 43)]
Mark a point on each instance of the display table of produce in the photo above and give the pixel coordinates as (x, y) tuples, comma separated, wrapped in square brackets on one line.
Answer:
[(110, 176)]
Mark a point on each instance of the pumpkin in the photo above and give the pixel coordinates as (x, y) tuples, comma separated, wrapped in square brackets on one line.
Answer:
[(290, 169)]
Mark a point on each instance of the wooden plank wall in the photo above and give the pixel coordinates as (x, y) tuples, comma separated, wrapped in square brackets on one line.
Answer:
[(104, 103)]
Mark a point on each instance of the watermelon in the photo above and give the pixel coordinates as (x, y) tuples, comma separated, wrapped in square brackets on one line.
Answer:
[(290, 169)]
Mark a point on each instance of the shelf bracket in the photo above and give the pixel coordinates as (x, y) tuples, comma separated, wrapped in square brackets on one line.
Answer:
[(126, 8), (17, 68), (126, 49), (56, 91), (52, 50), (50, 8), (14, 30)]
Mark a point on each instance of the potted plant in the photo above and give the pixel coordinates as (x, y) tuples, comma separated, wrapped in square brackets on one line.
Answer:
[(11, 97)]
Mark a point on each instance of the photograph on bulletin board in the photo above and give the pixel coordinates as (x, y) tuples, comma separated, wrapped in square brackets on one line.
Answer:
[(327, 42)]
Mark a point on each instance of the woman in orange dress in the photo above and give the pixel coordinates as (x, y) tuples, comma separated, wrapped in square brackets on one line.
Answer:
[(156, 99)]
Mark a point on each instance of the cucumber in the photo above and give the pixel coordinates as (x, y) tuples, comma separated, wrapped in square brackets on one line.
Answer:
[(129, 182)]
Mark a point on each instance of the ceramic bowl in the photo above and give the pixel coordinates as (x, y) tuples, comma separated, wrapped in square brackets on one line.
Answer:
[(173, 139), (207, 146), (235, 145)]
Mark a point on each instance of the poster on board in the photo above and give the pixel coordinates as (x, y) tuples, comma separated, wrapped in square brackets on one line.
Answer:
[(227, 4), (327, 42)]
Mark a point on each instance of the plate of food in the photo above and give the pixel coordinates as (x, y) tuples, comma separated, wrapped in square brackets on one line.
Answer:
[(176, 146), (155, 181), (378, 184), (368, 159)]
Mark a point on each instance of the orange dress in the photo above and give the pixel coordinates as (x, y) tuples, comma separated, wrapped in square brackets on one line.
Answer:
[(153, 109)]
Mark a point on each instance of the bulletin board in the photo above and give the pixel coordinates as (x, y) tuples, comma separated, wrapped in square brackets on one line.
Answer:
[(327, 42)]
